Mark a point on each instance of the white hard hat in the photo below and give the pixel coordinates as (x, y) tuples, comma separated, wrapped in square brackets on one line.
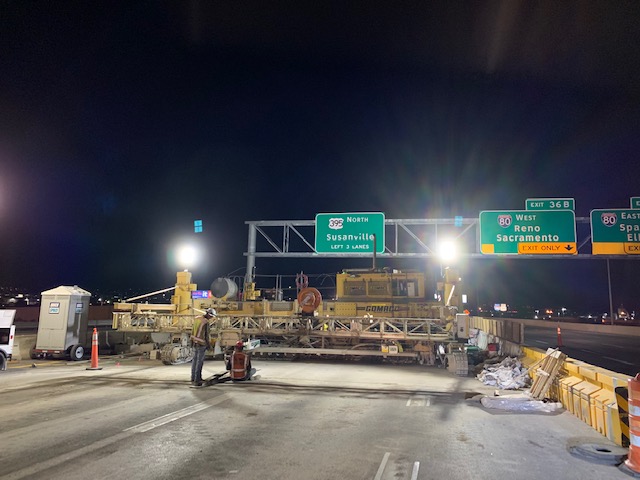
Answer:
[(211, 312)]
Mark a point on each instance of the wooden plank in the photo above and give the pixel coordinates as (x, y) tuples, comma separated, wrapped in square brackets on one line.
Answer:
[(547, 373)]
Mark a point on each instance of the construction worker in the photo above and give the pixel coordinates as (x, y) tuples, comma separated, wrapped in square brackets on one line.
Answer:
[(200, 343), (239, 364)]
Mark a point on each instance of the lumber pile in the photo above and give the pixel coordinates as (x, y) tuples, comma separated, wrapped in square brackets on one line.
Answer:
[(546, 373)]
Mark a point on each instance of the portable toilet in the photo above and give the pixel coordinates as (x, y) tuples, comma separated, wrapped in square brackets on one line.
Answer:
[(64, 322)]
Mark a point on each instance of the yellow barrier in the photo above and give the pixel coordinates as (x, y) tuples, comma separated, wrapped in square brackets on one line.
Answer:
[(572, 366), (588, 373), (566, 392), (586, 395), (601, 402), (586, 391)]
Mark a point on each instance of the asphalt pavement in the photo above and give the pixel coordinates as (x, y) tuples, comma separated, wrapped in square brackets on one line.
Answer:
[(137, 418)]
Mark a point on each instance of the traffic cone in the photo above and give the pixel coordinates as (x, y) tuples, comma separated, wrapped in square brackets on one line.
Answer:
[(94, 351), (559, 337), (633, 460)]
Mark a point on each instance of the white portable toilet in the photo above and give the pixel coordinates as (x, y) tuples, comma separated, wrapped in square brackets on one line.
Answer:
[(64, 320)]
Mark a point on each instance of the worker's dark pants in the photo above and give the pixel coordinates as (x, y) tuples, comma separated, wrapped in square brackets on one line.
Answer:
[(197, 363)]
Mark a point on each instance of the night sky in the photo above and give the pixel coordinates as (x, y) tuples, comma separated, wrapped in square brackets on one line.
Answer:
[(123, 122)]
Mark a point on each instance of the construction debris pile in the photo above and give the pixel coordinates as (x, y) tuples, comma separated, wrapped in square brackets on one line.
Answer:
[(509, 374)]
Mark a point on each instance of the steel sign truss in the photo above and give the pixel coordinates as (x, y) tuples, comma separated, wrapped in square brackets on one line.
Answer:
[(404, 238)]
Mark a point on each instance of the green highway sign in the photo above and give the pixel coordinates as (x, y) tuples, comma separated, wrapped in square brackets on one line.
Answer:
[(528, 232), (635, 202), (615, 231), (349, 232), (550, 204)]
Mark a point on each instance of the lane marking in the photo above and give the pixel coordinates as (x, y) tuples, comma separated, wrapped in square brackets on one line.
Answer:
[(613, 346), (32, 470), (421, 401), (414, 473), (67, 457), (540, 341), (169, 417), (590, 351), (383, 464), (619, 361)]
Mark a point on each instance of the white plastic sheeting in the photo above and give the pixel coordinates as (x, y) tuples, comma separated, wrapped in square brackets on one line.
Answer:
[(521, 403), (509, 374)]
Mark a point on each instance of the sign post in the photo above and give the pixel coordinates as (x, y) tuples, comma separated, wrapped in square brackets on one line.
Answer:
[(528, 232), (615, 231), (350, 233)]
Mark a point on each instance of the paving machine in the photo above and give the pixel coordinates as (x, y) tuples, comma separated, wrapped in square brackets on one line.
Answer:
[(375, 312)]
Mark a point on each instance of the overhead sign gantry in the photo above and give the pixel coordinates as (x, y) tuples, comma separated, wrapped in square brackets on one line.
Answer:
[(547, 228)]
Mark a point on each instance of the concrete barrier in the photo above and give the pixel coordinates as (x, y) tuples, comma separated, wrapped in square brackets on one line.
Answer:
[(633, 331), (585, 390)]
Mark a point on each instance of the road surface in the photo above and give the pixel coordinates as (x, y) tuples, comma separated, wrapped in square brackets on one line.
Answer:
[(138, 419), (618, 353)]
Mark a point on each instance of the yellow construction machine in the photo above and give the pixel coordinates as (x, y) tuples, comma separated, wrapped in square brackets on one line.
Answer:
[(374, 312)]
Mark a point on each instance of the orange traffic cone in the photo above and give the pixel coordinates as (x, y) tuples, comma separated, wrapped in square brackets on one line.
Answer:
[(94, 351), (633, 460), (559, 337)]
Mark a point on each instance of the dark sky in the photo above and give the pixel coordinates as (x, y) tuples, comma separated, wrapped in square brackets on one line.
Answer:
[(122, 122)]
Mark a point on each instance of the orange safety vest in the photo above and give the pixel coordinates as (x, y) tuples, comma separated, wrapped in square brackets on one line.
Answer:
[(239, 362)]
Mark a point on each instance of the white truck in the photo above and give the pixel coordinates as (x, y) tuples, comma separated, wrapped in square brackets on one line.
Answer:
[(7, 336)]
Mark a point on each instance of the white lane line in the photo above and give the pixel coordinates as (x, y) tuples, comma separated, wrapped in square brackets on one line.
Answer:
[(382, 465), (421, 401), (164, 419), (590, 351), (612, 346), (540, 341), (173, 416), (619, 361), (34, 469), (414, 473)]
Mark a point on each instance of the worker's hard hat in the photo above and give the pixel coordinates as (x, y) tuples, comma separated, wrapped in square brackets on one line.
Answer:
[(210, 312), (239, 344)]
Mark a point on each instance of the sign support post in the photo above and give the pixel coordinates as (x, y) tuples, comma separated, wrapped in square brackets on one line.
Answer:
[(610, 296)]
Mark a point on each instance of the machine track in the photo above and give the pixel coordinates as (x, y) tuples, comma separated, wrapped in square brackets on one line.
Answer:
[(172, 354)]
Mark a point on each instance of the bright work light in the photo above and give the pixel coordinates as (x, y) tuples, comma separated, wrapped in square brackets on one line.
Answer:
[(187, 256), (447, 251)]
